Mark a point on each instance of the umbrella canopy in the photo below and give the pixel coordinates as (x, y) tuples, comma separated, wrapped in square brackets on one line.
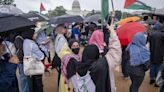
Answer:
[(11, 22), (10, 9), (159, 11), (129, 19), (93, 18), (36, 17), (126, 32), (66, 19)]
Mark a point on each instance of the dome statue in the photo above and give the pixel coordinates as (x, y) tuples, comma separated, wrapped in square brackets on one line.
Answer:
[(76, 9), (76, 6)]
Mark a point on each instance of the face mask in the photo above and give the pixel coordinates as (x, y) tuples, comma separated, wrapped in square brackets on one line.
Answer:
[(76, 50)]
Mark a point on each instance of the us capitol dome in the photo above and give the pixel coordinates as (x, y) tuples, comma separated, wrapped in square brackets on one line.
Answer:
[(76, 9)]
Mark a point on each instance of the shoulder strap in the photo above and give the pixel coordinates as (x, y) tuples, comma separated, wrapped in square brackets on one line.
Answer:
[(30, 49)]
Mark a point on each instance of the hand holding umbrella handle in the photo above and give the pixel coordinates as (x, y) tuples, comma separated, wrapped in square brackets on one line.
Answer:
[(111, 28), (112, 20)]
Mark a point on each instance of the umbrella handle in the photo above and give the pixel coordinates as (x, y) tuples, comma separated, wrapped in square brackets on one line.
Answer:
[(8, 48), (112, 20)]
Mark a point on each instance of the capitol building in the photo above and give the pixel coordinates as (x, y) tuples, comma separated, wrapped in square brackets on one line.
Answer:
[(76, 9)]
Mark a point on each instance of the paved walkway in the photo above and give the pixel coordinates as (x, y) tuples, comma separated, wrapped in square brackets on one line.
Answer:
[(50, 83)]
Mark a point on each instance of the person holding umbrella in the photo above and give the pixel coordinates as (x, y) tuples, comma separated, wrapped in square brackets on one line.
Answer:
[(138, 57), (8, 66)]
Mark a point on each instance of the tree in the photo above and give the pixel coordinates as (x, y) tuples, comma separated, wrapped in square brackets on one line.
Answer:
[(58, 11), (6, 2)]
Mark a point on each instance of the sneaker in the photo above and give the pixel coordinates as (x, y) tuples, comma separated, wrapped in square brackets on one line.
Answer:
[(155, 85), (152, 81)]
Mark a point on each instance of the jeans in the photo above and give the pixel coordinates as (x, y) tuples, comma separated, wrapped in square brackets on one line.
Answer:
[(154, 69), (35, 83), (136, 82), (124, 65), (23, 83)]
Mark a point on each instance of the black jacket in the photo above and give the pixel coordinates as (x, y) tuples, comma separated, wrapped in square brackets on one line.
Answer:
[(157, 47), (100, 75)]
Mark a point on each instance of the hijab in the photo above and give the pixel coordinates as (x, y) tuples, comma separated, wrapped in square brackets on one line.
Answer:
[(138, 52), (71, 42), (97, 38), (90, 55), (74, 50), (28, 34)]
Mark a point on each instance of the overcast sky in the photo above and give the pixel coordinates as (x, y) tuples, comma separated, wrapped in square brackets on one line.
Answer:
[(27, 5)]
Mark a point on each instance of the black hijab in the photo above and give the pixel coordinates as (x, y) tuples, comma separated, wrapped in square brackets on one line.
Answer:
[(71, 41), (90, 54), (28, 34)]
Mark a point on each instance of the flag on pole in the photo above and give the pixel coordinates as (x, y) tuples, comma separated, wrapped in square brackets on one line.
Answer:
[(129, 3), (137, 5), (42, 7), (104, 8)]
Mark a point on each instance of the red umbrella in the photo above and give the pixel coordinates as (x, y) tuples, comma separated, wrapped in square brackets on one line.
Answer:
[(127, 31)]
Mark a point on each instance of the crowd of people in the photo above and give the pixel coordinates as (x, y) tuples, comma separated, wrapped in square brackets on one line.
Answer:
[(91, 71)]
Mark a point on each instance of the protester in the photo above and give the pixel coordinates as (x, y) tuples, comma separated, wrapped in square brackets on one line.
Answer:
[(62, 50), (137, 55), (101, 69), (61, 45), (156, 47), (31, 48), (97, 38), (23, 83), (76, 34), (157, 25), (60, 40), (66, 68), (8, 66)]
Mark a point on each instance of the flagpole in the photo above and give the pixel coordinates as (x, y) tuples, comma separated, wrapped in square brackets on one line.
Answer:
[(112, 21), (112, 5), (39, 8), (101, 17)]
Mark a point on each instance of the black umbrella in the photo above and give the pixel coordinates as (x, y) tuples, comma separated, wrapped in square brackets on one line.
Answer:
[(93, 18), (66, 19), (11, 22), (36, 17)]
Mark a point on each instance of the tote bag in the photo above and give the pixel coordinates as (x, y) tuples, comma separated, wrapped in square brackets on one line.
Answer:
[(32, 66)]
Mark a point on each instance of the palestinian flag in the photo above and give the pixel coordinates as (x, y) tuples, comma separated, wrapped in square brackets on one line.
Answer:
[(104, 8), (136, 5)]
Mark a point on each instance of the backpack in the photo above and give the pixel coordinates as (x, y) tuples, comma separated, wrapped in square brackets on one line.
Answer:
[(84, 83)]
